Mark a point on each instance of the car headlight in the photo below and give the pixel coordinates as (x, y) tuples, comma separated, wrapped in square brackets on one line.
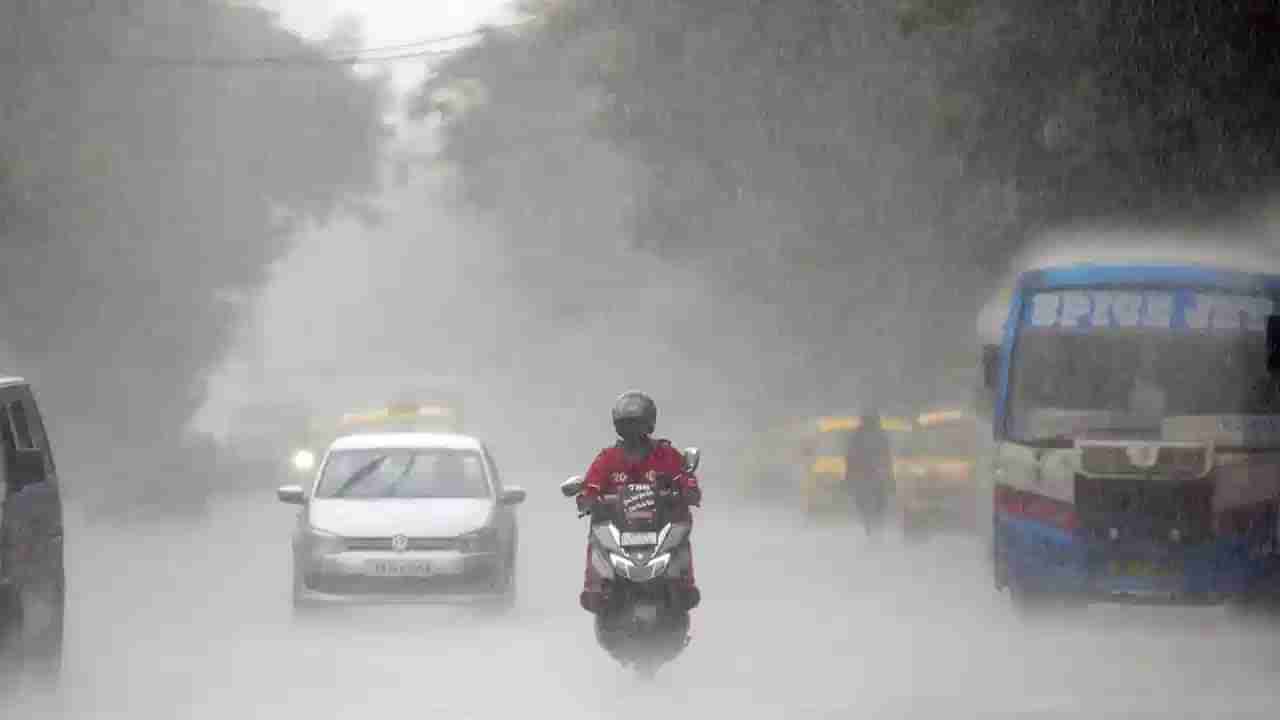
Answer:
[(479, 541), (323, 542), (304, 461)]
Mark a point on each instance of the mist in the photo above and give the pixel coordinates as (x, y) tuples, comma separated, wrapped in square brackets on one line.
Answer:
[(755, 213), (144, 201)]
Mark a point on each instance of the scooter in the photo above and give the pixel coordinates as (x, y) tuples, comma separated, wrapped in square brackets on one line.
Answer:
[(639, 545)]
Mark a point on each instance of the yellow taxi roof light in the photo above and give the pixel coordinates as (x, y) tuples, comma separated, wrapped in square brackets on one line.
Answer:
[(834, 424), (941, 416), (400, 412)]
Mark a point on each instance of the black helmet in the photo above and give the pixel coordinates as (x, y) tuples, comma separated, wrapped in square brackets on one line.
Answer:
[(634, 415)]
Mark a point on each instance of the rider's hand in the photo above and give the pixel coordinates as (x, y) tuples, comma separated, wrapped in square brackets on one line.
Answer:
[(692, 496), (585, 503)]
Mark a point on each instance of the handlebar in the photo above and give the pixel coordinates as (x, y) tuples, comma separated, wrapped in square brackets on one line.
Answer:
[(665, 494)]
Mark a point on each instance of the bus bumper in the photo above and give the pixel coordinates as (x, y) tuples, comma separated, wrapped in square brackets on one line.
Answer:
[(1038, 557)]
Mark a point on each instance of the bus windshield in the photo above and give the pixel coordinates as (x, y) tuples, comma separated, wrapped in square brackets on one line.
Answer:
[(1075, 377)]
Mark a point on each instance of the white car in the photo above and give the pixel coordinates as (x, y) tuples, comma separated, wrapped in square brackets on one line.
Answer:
[(395, 517)]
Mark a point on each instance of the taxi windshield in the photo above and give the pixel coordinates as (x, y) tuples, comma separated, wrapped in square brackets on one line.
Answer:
[(403, 473)]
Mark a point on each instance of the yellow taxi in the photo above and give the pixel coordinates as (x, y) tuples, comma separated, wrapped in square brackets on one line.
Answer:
[(934, 471), (772, 460), (427, 417)]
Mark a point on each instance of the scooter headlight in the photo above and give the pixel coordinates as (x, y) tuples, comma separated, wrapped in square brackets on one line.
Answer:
[(621, 563), (659, 564), (671, 537)]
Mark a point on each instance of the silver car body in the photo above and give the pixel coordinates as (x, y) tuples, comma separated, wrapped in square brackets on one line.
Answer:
[(372, 550)]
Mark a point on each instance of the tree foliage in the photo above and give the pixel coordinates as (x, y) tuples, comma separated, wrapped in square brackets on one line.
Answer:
[(139, 200), (867, 167)]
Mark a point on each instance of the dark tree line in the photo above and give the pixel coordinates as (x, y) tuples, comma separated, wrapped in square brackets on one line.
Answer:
[(141, 202), (868, 167)]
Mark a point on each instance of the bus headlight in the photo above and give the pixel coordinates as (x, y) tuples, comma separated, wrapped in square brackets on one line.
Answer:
[(304, 461)]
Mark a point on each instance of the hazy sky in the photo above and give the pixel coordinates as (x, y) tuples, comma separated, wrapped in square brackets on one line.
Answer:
[(342, 250), (392, 22)]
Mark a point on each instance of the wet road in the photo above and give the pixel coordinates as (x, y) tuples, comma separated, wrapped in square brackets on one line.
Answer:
[(189, 620)]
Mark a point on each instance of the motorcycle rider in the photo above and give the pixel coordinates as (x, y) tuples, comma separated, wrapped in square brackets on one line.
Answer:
[(637, 457)]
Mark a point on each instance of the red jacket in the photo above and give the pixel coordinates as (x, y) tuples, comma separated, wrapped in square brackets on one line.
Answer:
[(611, 470)]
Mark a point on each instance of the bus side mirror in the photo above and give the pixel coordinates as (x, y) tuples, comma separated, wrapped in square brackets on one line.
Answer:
[(991, 366), (1273, 344)]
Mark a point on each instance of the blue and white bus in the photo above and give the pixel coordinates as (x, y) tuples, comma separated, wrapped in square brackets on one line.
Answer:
[(1136, 418)]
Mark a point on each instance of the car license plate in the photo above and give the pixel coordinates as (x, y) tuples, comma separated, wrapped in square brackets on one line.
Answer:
[(1140, 568), (630, 539), (398, 568)]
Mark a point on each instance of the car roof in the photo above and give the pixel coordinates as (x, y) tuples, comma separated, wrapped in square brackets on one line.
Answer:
[(375, 441), (9, 380)]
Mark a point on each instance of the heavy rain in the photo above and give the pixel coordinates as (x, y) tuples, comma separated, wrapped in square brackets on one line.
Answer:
[(1037, 243)]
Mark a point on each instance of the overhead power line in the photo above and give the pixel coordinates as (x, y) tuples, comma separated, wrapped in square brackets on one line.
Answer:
[(368, 56), (416, 44)]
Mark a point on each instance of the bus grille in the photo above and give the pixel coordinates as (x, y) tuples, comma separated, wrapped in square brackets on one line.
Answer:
[(1163, 510), (1181, 461)]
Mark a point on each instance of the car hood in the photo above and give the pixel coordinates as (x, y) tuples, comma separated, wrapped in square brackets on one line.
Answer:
[(427, 517)]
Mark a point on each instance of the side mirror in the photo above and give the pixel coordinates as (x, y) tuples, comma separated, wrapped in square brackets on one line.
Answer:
[(292, 495), (691, 458), (990, 366), (512, 496), (28, 469), (571, 487), (1273, 344)]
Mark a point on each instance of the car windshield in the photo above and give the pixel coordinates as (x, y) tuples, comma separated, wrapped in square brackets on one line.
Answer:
[(403, 473), (1074, 379)]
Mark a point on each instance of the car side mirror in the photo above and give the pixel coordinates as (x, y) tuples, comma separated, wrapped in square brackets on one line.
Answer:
[(1273, 344), (691, 458), (28, 469), (291, 495), (571, 487), (513, 496)]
